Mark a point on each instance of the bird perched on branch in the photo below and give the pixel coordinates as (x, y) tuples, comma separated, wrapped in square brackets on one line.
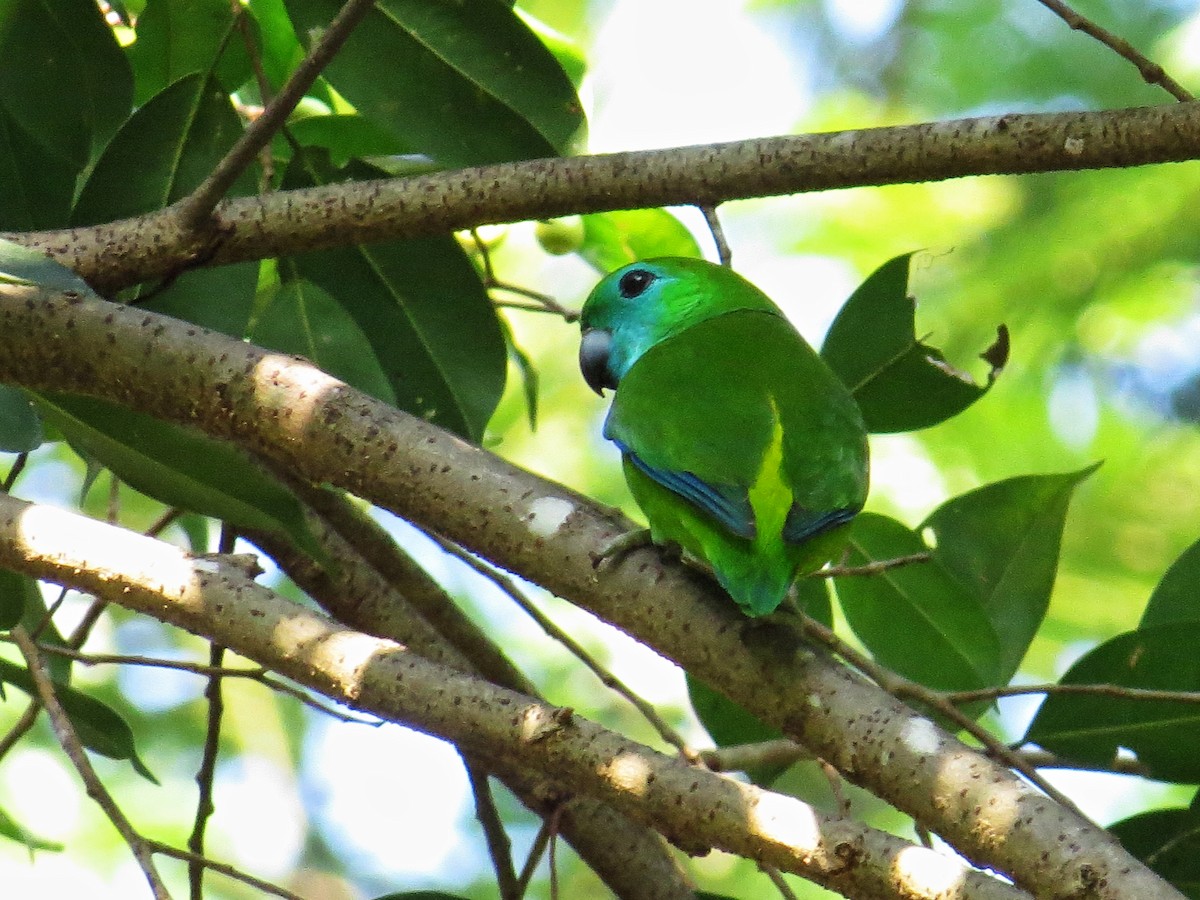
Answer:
[(739, 443)]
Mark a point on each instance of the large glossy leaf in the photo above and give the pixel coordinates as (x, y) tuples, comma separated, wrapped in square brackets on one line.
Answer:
[(1002, 542), (1168, 841), (1163, 735), (1177, 596), (178, 466), (465, 83), (161, 154), (422, 316), (164, 151), (918, 620), (303, 319), (36, 185), (899, 382), (179, 37), (63, 77), (99, 727), (612, 239)]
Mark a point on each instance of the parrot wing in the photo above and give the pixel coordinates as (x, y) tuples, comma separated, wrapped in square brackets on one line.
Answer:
[(701, 412)]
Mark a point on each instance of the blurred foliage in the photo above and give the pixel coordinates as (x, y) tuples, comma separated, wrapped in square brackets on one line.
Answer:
[(1093, 273)]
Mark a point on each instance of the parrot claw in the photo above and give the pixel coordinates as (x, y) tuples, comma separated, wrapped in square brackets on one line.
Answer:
[(619, 547)]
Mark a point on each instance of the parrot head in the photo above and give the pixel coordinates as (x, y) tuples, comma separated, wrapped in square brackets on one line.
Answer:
[(645, 302)]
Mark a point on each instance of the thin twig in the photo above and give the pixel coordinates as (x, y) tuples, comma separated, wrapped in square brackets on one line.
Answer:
[(876, 567), (540, 842), (785, 889), (1121, 765), (724, 254), (541, 302), (506, 584), (241, 19), (255, 673), (195, 209), (903, 689), (498, 844), (112, 514), (206, 774), (64, 730), (1094, 690), (18, 466), (1151, 72), (223, 868), (163, 522)]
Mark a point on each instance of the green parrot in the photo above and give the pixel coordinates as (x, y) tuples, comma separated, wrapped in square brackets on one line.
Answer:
[(739, 443)]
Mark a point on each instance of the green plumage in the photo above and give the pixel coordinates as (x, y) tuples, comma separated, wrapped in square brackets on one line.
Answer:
[(739, 443)]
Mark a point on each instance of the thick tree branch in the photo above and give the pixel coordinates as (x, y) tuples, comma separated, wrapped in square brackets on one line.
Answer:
[(118, 254), (413, 610), (287, 411), (697, 808)]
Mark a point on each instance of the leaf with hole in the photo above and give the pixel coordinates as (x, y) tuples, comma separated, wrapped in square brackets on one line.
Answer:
[(899, 382)]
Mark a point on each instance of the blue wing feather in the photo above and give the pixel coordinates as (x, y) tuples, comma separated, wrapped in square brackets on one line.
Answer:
[(727, 503), (803, 524)]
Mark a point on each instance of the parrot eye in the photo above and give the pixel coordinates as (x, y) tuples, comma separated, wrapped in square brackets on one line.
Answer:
[(634, 283)]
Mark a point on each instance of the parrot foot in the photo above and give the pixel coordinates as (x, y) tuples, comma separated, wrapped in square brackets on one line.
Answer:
[(623, 544)]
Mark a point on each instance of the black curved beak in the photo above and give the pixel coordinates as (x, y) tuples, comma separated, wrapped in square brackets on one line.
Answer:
[(593, 360)]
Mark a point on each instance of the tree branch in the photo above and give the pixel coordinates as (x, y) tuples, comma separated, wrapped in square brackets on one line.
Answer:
[(407, 606), (195, 209), (119, 254), (697, 808), (287, 411), (1151, 72)]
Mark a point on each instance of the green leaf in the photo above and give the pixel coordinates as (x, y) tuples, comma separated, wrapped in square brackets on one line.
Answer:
[(812, 596), (1002, 541), (1168, 841), (182, 37), (36, 186), (21, 265), (1089, 729), (14, 831), (1174, 599), (20, 427), (64, 79), (12, 597), (99, 727), (162, 153), (346, 137), (465, 83), (613, 239), (426, 318), (302, 319), (918, 620), (729, 724), (281, 50), (35, 616), (900, 383), (178, 466)]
